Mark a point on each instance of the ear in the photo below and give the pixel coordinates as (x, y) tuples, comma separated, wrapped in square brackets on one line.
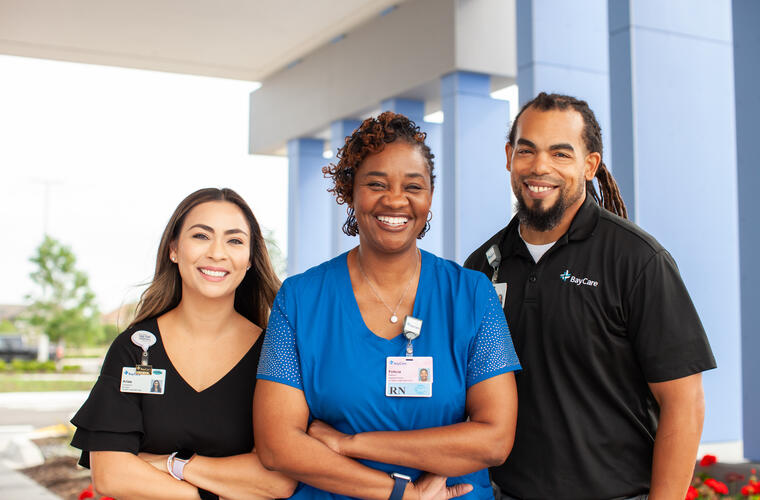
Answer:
[(508, 151), (593, 160), (173, 251)]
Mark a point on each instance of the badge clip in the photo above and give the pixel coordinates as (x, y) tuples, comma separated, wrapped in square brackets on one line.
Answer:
[(144, 339), (412, 328), (494, 260)]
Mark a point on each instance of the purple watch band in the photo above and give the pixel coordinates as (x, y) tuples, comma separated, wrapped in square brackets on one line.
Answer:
[(176, 466)]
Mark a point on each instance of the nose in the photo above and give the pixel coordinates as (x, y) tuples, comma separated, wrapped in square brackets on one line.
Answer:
[(542, 163), (216, 249), (396, 198)]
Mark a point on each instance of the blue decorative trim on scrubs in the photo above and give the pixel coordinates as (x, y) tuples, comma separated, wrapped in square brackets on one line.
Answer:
[(279, 359), (492, 352)]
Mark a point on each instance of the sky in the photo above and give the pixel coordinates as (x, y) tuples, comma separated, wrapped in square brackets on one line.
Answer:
[(116, 150)]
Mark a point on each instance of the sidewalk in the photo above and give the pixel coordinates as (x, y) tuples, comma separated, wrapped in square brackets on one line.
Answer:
[(16, 486)]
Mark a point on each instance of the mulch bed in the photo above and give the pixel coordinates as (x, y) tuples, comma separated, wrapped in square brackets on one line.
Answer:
[(60, 473), (61, 476)]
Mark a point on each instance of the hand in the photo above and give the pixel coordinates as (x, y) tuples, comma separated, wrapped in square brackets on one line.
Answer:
[(157, 461), (433, 487), (326, 434)]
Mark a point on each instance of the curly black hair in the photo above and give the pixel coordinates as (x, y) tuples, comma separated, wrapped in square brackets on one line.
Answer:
[(370, 138)]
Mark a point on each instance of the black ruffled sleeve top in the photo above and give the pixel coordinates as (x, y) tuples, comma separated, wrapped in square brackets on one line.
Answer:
[(215, 422)]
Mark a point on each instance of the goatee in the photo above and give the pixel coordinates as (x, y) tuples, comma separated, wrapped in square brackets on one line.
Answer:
[(538, 219)]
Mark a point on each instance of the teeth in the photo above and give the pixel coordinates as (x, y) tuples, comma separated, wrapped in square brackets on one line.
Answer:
[(392, 221), (216, 274), (538, 189)]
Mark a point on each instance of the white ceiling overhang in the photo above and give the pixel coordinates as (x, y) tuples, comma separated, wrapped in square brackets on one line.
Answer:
[(239, 39)]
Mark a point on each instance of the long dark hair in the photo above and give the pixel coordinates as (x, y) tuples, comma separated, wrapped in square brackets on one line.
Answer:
[(609, 194), (255, 294)]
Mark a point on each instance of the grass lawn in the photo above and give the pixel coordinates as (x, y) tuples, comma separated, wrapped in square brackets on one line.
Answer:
[(17, 383)]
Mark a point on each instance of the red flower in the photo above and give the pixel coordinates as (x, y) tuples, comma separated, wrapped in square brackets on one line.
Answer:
[(747, 490), (717, 486), (87, 493), (692, 493), (708, 460)]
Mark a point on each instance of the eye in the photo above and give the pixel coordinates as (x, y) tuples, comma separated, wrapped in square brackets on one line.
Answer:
[(376, 185), (236, 241), (414, 187), (560, 154), (524, 151), (200, 236)]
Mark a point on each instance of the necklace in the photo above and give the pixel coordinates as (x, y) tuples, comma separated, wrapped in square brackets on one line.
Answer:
[(393, 318)]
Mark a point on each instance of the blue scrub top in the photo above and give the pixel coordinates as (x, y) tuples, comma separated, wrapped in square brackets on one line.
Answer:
[(317, 342)]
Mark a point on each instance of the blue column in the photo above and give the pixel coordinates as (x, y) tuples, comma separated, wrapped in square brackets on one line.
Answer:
[(562, 47), (415, 111), (676, 106), (476, 189), (309, 206), (746, 17), (340, 242)]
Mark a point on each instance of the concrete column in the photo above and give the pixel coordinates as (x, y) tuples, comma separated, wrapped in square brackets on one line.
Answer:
[(746, 17), (674, 123), (341, 242), (310, 207), (476, 190), (415, 111), (562, 47)]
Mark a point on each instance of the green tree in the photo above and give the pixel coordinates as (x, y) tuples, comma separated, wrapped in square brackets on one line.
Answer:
[(64, 306), (6, 326)]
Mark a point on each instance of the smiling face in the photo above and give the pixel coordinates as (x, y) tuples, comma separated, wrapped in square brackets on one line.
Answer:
[(391, 197), (549, 167), (212, 249)]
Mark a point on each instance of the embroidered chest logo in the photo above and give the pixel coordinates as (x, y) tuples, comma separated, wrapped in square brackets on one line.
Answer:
[(577, 281)]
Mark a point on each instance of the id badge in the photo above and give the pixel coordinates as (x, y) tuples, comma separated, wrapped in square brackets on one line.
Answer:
[(501, 291), (409, 377), (142, 383)]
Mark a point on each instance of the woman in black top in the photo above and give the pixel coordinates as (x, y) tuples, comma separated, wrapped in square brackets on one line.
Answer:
[(200, 322)]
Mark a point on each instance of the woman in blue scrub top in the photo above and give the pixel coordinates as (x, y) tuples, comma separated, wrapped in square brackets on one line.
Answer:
[(340, 404)]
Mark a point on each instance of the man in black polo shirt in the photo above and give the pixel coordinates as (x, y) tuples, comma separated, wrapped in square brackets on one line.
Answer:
[(612, 349)]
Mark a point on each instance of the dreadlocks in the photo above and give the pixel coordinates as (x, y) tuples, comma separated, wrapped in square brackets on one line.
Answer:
[(609, 193)]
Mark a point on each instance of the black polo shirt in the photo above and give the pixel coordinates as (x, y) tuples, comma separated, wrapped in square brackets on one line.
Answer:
[(601, 314)]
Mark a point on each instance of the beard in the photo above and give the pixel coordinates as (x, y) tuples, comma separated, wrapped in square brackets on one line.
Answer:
[(546, 219)]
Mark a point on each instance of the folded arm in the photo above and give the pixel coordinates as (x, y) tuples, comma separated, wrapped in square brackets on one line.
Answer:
[(232, 478), (485, 440), (280, 419), (125, 476)]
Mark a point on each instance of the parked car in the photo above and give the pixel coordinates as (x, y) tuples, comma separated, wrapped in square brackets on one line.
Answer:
[(14, 346)]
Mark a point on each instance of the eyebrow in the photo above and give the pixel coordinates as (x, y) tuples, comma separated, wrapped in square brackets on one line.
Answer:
[(383, 174), (211, 229), (553, 147)]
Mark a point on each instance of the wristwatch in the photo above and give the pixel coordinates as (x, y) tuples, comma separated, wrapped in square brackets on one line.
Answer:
[(399, 486), (176, 462)]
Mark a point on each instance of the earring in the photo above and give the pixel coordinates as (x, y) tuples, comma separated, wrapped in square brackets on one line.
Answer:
[(173, 259), (248, 268), (427, 225)]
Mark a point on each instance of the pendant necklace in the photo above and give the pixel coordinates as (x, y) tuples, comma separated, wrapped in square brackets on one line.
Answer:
[(393, 318)]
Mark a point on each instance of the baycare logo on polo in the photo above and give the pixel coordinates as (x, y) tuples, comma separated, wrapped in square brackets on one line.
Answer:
[(567, 277)]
